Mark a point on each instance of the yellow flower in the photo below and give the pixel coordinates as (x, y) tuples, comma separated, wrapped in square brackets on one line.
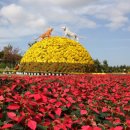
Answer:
[(56, 54)]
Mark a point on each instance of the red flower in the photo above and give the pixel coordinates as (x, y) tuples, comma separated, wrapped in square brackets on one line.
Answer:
[(37, 96), (1, 98), (12, 116), (7, 126), (13, 107), (104, 109), (87, 127), (91, 94), (128, 123), (97, 128), (82, 112), (32, 124), (58, 111), (44, 98), (117, 128)]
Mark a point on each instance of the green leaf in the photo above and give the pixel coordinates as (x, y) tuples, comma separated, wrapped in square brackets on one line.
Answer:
[(18, 127), (129, 102), (76, 113), (64, 109), (1, 123), (40, 127), (108, 122), (103, 128), (100, 118), (4, 115), (122, 118), (124, 84), (102, 115), (121, 108)]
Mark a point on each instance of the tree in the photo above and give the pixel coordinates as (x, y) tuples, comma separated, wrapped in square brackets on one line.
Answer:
[(97, 66), (105, 66), (1, 54), (11, 55)]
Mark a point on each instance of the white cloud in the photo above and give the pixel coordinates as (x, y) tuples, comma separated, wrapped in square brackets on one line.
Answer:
[(113, 13), (13, 13), (117, 22), (86, 23), (61, 3), (36, 15), (19, 20), (28, 17), (72, 3)]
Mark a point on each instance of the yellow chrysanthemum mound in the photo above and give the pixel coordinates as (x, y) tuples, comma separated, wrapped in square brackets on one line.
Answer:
[(56, 54)]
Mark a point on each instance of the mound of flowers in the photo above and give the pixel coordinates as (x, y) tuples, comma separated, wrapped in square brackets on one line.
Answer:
[(56, 54), (72, 102)]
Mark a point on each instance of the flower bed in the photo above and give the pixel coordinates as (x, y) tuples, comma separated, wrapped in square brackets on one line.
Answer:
[(57, 54), (71, 102)]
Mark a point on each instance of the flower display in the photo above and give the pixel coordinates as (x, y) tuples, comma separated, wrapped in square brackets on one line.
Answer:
[(56, 54), (70, 102)]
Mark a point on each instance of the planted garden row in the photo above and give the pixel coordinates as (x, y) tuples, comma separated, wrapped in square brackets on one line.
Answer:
[(70, 102)]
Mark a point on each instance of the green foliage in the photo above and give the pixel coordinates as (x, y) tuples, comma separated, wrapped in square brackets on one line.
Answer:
[(2, 65), (9, 56), (40, 127), (55, 67), (1, 54), (106, 68)]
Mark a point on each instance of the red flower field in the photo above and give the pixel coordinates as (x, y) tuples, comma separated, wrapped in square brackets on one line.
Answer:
[(71, 102)]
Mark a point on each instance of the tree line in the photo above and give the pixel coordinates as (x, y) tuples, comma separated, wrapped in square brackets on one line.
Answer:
[(104, 67), (11, 56)]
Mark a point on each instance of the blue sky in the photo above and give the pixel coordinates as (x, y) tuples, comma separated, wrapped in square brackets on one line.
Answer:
[(103, 26)]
